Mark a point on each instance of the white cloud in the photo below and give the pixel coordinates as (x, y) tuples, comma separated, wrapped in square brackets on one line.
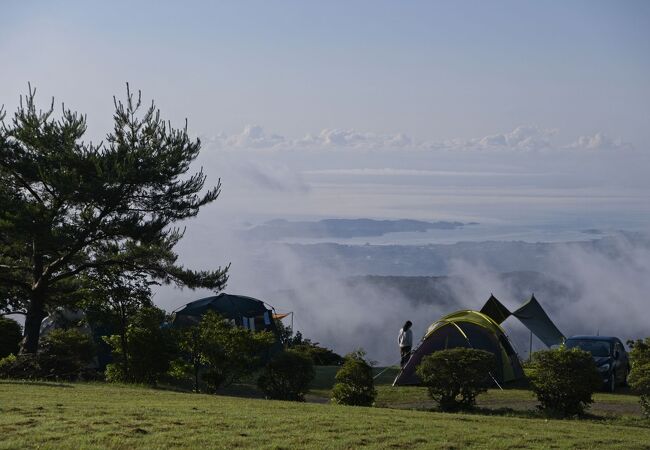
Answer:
[(524, 138), (332, 138), (252, 137), (600, 142)]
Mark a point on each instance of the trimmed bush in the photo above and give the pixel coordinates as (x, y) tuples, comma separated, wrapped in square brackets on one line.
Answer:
[(639, 379), (354, 382), (11, 334), (564, 380), (287, 376), (455, 377)]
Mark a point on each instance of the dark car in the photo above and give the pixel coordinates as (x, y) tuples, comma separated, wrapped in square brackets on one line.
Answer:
[(609, 355)]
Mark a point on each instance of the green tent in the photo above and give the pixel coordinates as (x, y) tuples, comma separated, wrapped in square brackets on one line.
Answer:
[(470, 329)]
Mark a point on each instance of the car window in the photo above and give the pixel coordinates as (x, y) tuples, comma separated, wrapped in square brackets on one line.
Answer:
[(596, 348)]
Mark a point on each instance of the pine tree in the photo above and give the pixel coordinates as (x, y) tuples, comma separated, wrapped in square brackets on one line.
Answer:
[(70, 210)]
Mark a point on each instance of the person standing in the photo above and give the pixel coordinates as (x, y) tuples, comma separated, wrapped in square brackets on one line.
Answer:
[(405, 341)]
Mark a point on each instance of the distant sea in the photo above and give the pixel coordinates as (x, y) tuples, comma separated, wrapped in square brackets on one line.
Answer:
[(470, 233)]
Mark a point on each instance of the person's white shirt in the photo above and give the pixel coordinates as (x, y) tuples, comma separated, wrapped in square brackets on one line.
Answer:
[(405, 338)]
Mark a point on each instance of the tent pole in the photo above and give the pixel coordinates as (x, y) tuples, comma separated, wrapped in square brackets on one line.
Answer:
[(470, 344), (385, 369), (530, 348)]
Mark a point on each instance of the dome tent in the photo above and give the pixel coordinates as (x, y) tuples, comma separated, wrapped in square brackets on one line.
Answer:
[(247, 312), (470, 329)]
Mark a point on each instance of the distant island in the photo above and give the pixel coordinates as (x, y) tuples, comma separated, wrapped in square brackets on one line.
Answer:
[(344, 228)]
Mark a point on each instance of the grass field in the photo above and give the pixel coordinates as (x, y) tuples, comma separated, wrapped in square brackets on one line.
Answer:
[(95, 415)]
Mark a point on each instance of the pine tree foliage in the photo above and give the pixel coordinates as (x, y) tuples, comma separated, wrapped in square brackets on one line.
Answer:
[(71, 207)]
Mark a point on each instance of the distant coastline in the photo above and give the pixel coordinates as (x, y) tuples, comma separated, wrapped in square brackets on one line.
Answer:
[(344, 228)]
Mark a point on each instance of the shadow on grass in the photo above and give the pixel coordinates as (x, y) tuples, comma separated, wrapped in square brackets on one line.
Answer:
[(239, 390), (637, 422), (37, 383)]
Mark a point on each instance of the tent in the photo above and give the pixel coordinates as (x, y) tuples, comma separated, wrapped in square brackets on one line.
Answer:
[(470, 329), (244, 311), (482, 330)]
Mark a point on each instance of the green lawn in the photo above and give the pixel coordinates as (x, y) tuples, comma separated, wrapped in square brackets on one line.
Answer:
[(95, 415), (508, 401)]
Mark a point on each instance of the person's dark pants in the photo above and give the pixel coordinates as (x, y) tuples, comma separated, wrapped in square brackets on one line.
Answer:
[(405, 352)]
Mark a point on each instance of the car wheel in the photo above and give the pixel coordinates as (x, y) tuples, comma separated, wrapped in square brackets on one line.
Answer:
[(611, 386)]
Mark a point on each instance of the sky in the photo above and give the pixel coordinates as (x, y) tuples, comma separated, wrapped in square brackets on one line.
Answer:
[(401, 109), (504, 113), (431, 70)]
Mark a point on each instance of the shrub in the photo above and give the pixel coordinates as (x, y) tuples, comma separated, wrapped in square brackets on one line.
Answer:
[(223, 352), (455, 377), (149, 349), (320, 356), (6, 366), (564, 380), (10, 335), (22, 367), (64, 354), (214, 379), (639, 378), (287, 376), (354, 382)]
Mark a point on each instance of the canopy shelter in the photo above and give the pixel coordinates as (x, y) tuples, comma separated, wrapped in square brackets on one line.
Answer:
[(469, 329), (531, 314)]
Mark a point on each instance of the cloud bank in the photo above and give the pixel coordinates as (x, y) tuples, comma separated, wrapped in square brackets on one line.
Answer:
[(525, 138)]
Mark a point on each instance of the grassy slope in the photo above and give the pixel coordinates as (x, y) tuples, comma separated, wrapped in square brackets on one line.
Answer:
[(510, 400), (125, 417)]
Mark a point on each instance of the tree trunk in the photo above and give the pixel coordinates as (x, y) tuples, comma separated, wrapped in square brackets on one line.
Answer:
[(196, 374), (123, 318), (33, 318), (125, 353)]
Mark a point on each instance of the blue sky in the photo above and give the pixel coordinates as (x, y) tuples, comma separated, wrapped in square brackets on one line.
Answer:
[(301, 103), (429, 69)]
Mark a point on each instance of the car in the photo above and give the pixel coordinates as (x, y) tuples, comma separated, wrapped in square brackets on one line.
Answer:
[(612, 361)]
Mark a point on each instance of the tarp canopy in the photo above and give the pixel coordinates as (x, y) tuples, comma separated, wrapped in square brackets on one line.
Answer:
[(495, 310), (531, 314), (536, 320)]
